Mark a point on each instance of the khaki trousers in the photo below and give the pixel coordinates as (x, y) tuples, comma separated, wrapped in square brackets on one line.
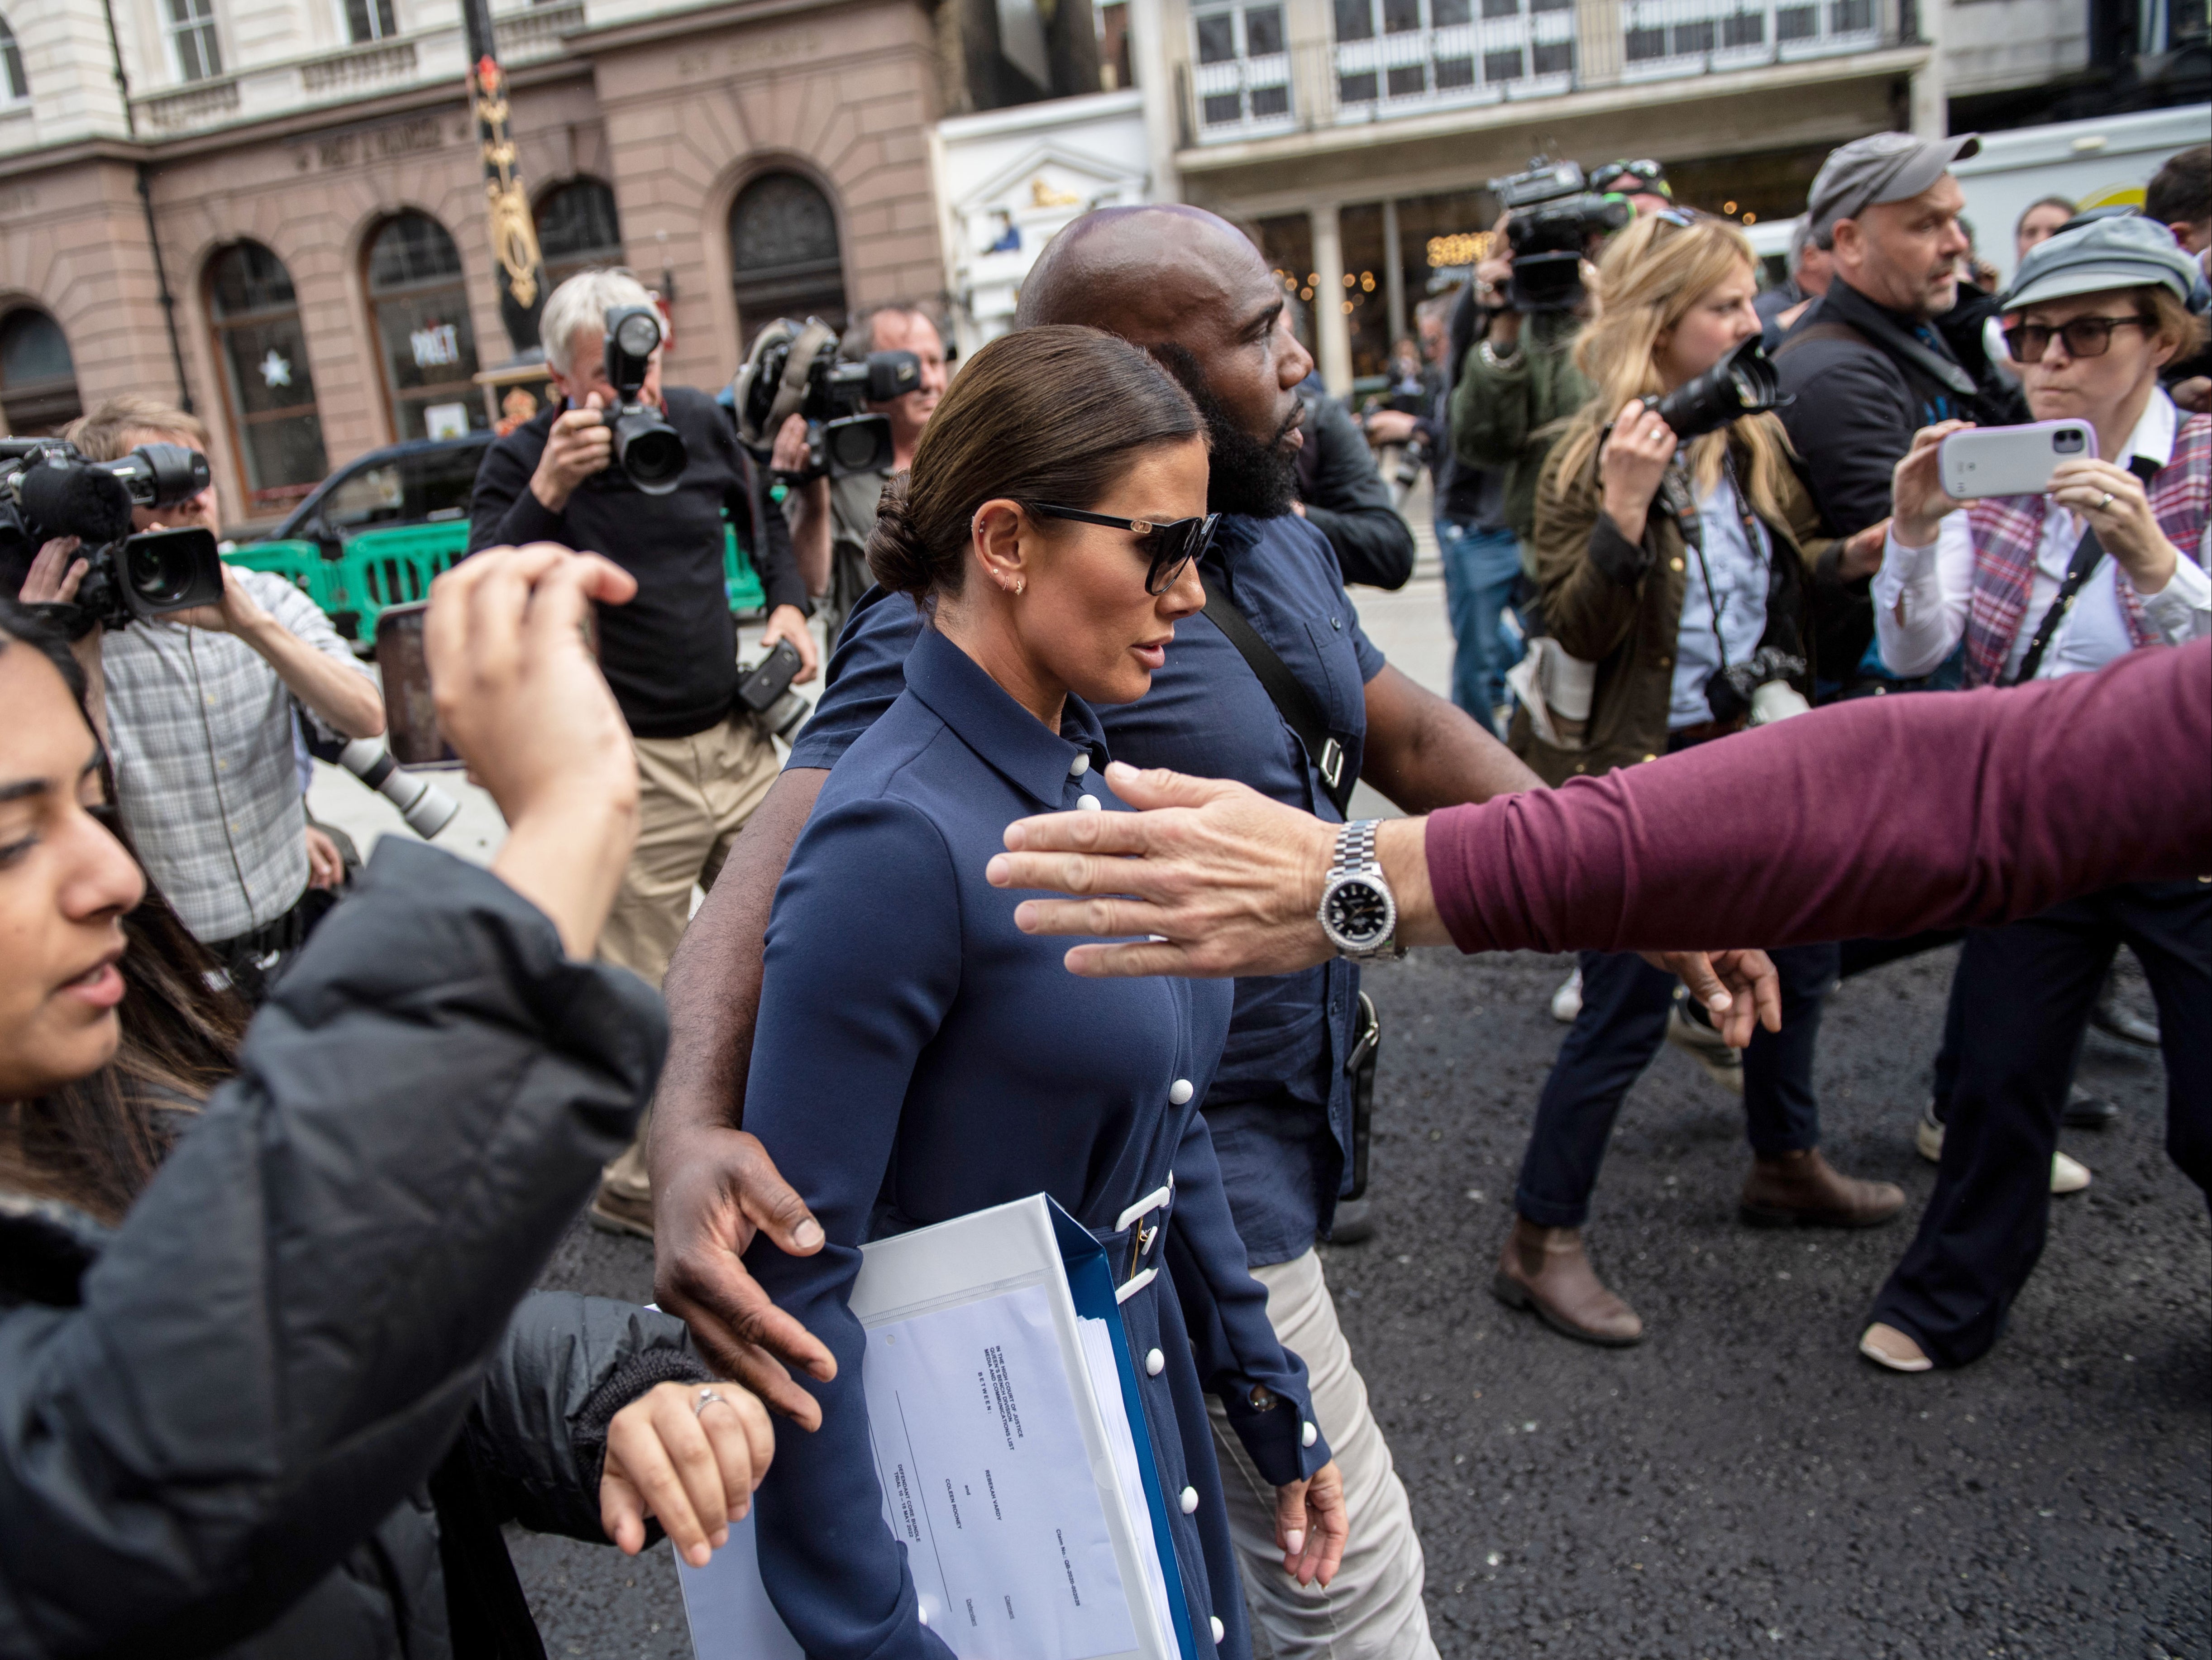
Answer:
[(694, 796), (1372, 1611)]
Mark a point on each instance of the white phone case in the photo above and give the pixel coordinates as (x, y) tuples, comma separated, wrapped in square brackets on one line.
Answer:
[(2011, 460)]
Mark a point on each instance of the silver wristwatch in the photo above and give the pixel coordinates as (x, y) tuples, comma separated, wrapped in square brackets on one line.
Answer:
[(1359, 913)]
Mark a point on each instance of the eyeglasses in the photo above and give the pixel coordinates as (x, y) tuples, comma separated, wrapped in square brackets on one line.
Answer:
[(1651, 175), (1170, 545), (1680, 218), (2085, 336)]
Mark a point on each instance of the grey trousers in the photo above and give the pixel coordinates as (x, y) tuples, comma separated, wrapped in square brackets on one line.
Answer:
[(1373, 1610)]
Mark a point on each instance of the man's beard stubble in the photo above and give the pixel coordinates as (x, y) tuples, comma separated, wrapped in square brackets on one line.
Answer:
[(1245, 474)]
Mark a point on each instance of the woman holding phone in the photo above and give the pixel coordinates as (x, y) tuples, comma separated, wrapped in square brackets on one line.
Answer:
[(2110, 557), (918, 1057)]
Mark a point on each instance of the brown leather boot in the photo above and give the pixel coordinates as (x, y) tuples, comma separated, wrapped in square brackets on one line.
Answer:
[(1801, 1189), (1545, 1269)]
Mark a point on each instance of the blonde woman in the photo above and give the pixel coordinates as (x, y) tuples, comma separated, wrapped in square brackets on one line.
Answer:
[(1663, 563)]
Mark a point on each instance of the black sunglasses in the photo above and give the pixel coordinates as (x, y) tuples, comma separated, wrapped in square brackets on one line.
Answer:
[(1169, 544), (2085, 336)]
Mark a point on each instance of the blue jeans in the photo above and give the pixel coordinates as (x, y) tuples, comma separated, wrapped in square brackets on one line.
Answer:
[(1623, 1022), (1479, 568)]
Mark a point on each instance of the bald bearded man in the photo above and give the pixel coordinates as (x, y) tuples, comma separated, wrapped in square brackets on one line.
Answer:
[(1196, 293)]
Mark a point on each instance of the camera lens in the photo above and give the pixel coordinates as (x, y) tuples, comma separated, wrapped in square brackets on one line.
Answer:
[(853, 446), (2066, 442), (161, 574), (653, 457)]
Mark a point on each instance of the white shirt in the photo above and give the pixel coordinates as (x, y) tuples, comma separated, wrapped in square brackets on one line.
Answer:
[(1739, 572), (1921, 595)]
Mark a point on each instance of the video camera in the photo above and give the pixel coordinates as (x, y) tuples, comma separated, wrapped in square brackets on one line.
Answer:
[(647, 448), (794, 370), (1555, 218), (49, 489)]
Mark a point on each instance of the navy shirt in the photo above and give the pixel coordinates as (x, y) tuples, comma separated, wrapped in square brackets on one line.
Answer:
[(1280, 1109), (918, 1057)]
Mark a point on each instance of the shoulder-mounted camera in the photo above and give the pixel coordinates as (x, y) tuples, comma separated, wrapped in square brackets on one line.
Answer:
[(52, 490)]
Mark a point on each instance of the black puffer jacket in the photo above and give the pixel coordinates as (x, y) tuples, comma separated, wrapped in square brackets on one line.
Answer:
[(219, 1422)]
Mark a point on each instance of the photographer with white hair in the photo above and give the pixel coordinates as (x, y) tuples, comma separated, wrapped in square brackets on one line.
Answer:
[(704, 761)]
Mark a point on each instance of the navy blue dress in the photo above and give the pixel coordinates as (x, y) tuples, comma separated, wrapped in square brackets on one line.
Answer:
[(918, 1057)]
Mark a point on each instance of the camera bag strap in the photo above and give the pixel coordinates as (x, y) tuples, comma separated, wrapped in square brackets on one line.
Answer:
[(1291, 699), (2088, 554)]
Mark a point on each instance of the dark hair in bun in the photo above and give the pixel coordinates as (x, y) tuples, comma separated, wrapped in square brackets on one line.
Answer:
[(1045, 415)]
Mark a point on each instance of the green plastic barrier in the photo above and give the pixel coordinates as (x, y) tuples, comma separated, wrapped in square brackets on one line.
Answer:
[(299, 563), (739, 579), (394, 567)]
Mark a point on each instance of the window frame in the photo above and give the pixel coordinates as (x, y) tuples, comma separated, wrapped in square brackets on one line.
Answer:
[(204, 29), (261, 503), (14, 76), (382, 16), (464, 390)]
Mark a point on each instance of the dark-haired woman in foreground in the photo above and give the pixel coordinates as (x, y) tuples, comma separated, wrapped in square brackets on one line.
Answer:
[(918, 1057)]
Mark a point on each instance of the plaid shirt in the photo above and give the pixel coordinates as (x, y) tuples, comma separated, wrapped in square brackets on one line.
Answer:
[(201, 730), (2008, 530)]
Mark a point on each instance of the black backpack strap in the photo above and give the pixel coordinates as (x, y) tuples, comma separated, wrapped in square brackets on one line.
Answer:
[(2089, 553), (1295, 705)]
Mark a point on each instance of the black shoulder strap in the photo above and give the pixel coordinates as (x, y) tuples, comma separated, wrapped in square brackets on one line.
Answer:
[(2088, 552), (1295, 704)]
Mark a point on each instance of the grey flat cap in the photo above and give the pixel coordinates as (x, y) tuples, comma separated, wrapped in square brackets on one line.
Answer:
[(2103, 254), (1884, 167)]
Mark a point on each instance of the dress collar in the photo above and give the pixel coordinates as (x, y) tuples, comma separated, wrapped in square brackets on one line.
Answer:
[(989, 721), (2153, 438)]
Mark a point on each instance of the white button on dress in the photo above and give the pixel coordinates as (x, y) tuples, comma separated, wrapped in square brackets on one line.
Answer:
[(1179, 1093), (1155, 1362), (1089, 804), (1220, 1630), (1189, 1500), (1078, 766), (1308, 1436)]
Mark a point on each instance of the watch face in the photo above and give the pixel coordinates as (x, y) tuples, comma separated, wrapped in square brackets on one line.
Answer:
[(1357, 911)]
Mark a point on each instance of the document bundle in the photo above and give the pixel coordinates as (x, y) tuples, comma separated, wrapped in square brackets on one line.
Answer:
[(1012, 1448)]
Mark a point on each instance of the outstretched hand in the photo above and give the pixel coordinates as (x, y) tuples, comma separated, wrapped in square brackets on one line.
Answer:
[(707, 1204)]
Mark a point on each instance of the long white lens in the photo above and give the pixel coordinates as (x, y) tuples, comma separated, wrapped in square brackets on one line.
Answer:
[(426, 808)]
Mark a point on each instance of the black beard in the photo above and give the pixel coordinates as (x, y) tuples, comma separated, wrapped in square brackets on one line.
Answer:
[(1245, 475)]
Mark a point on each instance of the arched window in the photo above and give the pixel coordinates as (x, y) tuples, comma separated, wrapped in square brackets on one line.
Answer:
[(421, 309), (15, 85), (269, 391), (38, 376), (783, 253), (577, 228)]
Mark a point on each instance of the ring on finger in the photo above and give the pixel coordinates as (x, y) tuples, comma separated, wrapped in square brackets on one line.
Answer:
[(708, 1397), (2105, 502)]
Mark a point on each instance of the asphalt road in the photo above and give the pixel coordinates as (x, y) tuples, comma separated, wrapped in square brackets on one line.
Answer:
[(1741, 1484)]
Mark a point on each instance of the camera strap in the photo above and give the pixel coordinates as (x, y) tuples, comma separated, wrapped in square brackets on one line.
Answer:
[(2088, 554), (1291, 698)]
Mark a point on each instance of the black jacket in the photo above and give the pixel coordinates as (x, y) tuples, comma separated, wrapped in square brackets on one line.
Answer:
[(1861, 381), (1347, 502), (217, 1420), (671, 653)]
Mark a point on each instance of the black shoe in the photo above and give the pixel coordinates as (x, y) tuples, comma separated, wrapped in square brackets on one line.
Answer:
[(2085, 1112), (1354, 1224), (2109, 1017)]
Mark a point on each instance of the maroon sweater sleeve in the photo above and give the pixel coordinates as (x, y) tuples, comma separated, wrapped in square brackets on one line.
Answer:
[(1879, 816)]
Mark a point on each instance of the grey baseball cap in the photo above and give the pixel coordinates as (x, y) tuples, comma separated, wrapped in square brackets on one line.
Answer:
[(2103, 254), (1883, 166)]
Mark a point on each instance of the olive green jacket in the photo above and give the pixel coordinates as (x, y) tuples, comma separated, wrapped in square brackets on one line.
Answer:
[(1618, 605), (1503, 414)]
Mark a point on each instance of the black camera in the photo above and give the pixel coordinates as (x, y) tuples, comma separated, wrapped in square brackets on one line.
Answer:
[(795, 370), (1556, 217), (764, 691), (648, 449), (52, 490), (1743, 383), (1757, 690)]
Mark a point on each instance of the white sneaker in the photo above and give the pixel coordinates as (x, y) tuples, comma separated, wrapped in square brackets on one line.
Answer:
[(2067, 1174), (1567, 1002), (1724, 1064)]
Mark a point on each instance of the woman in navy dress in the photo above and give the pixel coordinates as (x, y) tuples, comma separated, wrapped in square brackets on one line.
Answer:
[(918, 1057)]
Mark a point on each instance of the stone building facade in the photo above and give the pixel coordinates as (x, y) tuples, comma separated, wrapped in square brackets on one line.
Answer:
[(315, 212)]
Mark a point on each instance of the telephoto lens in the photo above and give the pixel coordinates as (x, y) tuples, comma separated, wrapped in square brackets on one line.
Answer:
[(426, 808), (646, 448), (1743, 383)]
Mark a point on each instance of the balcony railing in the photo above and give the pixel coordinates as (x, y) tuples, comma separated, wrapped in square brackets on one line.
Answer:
[(1451, 54)]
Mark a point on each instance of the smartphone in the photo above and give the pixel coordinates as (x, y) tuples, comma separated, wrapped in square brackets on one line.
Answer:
[(2011, 460), (410, 713)]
